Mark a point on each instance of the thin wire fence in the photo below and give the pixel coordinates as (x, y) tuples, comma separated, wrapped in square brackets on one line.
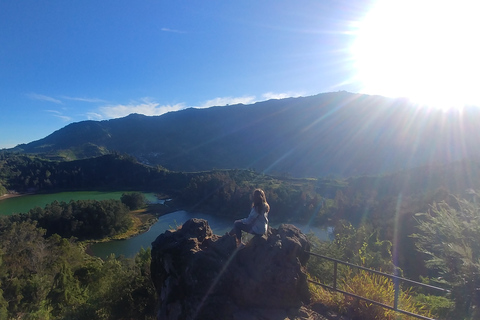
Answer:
[(396, 282)]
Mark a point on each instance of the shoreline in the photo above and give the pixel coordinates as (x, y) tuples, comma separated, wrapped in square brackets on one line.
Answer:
[(15, 195), (152, 213)]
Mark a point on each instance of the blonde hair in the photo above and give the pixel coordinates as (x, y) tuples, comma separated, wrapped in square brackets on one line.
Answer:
[(260, 201)]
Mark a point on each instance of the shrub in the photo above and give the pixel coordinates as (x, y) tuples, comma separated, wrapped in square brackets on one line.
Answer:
[(448, 237), (441, 307)]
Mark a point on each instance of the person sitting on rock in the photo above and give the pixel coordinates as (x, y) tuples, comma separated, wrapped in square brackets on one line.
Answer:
[(257, 220)]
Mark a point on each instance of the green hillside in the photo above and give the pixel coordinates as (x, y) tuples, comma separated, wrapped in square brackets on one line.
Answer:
[(339, 133), (369, 213)]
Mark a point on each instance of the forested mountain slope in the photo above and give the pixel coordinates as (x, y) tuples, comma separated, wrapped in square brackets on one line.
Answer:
[(332, 133)]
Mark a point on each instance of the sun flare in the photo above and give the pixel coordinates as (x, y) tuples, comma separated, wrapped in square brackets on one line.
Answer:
[(425, 50)]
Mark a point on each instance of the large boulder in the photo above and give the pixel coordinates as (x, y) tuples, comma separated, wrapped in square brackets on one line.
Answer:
[(199, 275)]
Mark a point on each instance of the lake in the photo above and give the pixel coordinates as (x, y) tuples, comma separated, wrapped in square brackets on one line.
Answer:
[(219, 225), (23, 204), (129, 247)]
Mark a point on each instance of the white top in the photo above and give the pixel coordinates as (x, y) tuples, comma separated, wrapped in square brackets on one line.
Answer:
[(259, 220)]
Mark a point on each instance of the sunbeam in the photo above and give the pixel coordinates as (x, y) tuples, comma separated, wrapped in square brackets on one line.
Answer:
[(422, 50)]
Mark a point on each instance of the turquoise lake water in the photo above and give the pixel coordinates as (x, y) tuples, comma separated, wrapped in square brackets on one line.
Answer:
[(219, 225), (129, 247), (23, 204)]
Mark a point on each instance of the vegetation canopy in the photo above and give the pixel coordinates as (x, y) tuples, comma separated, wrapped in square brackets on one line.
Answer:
[(374, 219)]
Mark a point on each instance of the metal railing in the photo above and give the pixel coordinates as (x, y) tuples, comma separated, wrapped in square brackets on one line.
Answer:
[(396, 283)]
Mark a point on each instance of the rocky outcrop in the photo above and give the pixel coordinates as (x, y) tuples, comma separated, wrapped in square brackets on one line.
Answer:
[(199, 275)]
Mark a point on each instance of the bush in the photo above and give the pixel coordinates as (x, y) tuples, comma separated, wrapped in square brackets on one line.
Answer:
[(448, 237), (441, 307)]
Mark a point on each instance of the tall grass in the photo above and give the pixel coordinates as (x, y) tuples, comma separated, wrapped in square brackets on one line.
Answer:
[(374, 287)]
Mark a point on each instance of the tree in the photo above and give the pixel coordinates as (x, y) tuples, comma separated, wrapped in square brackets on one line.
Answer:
[(449, 238), (83, 219), (3, 302), (134, 200), (65, 291)]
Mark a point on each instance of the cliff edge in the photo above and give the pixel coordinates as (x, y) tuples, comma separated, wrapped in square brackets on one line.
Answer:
[(200, 275)]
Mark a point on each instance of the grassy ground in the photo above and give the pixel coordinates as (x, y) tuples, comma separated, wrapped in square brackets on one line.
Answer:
[(141, 222), (143, 219)]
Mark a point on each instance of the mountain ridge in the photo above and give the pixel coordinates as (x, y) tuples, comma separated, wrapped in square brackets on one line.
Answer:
[(338, 133)]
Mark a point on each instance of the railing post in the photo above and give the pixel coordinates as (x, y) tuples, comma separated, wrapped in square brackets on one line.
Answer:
[(396, 288), (335, 275)]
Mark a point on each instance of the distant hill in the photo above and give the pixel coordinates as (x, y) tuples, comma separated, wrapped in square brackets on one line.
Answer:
[(339, 133)]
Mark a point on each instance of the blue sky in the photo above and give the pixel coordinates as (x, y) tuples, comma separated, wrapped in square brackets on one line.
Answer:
[(69, 61), (64, 61)]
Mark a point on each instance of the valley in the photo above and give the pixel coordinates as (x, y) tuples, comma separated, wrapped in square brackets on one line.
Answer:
[(379, 188)]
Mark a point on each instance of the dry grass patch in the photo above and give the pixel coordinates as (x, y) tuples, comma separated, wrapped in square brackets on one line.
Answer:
[(373, 287), (141, 222)]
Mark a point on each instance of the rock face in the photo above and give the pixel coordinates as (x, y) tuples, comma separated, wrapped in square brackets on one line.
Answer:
[(199, 275)]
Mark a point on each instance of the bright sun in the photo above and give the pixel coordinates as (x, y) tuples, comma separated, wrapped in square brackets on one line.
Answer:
[(425, 50)]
